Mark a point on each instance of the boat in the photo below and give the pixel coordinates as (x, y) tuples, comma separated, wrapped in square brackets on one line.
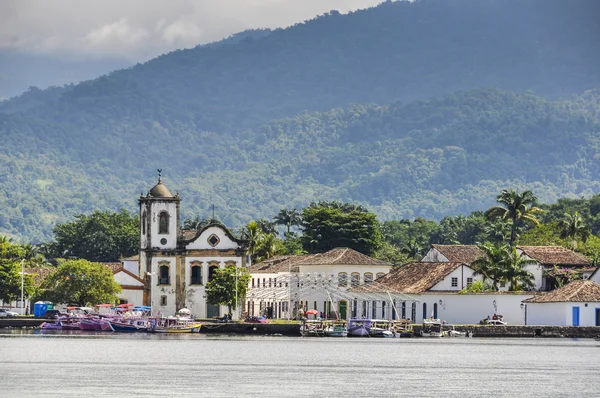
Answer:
[(312, 328), (46, 326), (380, 328), (431, 328), (335, 329), (129, 325), (402, 328), (450, 331), (359, 327), (174, 325)]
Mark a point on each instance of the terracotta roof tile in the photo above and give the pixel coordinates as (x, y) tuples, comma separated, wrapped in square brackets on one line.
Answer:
[(114, 267), (459, 253), (278, 264), (341, 256), (576, 291), (555, 255), (417, 277)]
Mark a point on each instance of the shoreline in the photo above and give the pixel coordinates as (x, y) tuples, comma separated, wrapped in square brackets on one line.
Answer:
[(292, 329)]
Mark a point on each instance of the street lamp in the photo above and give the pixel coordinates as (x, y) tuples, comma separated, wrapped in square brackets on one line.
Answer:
[(22, 284)]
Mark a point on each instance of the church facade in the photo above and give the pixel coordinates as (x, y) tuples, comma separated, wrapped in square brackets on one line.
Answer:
[(176, 264)]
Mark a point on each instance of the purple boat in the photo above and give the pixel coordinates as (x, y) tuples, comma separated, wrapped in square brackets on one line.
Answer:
[(359, 327)]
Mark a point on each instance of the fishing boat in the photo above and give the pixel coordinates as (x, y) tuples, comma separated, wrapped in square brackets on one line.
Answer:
[(380, 328), (130, 325), (47, 326), (359, 327), (431, 328), (335, 329), (174, 325)]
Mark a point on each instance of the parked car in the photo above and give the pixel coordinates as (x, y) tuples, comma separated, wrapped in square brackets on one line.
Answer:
[(7, 314), (52, 314), (256, 319)]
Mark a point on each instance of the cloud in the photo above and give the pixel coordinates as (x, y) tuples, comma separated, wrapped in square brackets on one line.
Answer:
[(141, 29)]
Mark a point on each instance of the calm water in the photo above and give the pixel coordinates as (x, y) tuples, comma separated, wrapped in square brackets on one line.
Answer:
[(119, 365)]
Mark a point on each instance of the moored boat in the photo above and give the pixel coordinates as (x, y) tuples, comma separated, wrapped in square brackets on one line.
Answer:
[(335, 329), (359, 327), (174, 325), (431, 328), (380, 328), (130, 325)]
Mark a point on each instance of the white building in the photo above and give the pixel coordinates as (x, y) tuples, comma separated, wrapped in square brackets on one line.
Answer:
[(282, 286), (435, 286), (176, 264), (575, 304), (546, 258)]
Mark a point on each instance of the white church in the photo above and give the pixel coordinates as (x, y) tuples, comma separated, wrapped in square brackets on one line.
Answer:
[(175, 264)]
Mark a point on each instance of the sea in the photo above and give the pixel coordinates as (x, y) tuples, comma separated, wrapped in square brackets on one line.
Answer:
[(80, 364)]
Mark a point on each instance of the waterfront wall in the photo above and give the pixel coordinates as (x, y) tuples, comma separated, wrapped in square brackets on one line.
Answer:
[(526, 331)]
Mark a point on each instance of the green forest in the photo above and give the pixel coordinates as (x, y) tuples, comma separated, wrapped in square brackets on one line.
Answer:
[(425, 109)]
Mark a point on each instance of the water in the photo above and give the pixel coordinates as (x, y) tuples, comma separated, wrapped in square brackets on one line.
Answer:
[(119, 365)]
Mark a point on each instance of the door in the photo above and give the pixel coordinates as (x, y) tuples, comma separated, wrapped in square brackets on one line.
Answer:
[(575, 316), (597, 316), (212, 311), (343, 307)]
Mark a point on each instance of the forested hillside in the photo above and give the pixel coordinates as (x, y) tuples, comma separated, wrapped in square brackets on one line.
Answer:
[(271, 120)]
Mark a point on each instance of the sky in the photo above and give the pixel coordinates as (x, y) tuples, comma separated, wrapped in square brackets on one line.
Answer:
[(138, 30)]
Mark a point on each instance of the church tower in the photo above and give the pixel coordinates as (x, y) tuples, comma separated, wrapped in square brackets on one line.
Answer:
[(159, 218)]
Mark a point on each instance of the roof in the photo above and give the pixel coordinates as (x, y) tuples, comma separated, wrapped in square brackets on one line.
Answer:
[(594, 273), (342, 256), (555, 255), (114, 267), (459, 253), (278, 264), (576, 291), (418, 277), (191, 235), (160, 191)]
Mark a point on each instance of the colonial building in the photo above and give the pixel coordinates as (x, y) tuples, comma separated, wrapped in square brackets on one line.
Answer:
[(287, 286), (175, 264), (575, 304)]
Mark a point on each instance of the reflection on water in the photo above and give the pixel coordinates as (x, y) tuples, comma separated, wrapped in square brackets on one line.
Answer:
[(76, 364)]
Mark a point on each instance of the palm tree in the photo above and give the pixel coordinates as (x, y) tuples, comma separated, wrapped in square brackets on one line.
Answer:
[(254, 235), (497, 230), (270, 247), (288, 217), (516, 207), (192, 224), (32, 255), (413, 248), (572, 227), (491, 264), (515, 274)]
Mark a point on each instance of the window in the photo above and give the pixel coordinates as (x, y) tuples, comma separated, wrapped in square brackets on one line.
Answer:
[(163, 275), (196, 275), (144, 222), (374, 305), (163, 301), (424, 310), (252, 282), (379, 275), (264, 282), (469, 281), (211, 271), (315, 305), (269, 282), (355, 279), (404, 310), (503, 283), (342, 279), (454, 282), (368, 277), (413, 311), (163, 223)]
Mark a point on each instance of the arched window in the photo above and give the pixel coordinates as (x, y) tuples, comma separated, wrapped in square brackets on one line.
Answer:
[(355, 279), (342, 279), (368, 277), (196, 274), (424, 310), (163, 271), (414, 312), (163, 223), (435, 310), (379, 275), (144, 222), (404, 310), (212, 268)]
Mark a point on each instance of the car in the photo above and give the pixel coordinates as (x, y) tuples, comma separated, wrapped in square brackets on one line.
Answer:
[(52, 314), (7, 314), (256, 319)]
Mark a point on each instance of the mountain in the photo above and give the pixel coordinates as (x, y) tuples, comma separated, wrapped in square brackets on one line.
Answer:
[(282, 118)]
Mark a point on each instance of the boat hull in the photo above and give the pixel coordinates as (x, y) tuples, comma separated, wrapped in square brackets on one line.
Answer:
[(359, 331)]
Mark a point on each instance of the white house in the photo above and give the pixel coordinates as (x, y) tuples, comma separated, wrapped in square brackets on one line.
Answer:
[(575, 304), (595, 276), (282, 286), (176, 264), (434, 288)]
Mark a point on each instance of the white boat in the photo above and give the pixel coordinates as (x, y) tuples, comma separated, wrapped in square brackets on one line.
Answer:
[(431, 328), (174, 324)]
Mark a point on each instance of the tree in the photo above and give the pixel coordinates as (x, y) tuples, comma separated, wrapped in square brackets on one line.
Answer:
[(80, 282), (327, 225), (573, 226), (515, 274), (254, 235), (518, 208), (270, 246), (392, 254), (100, 236), (11, 255), (288, 217), (192, 224), (222, 288), (414, 249), (490, 265), (266, 226)]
